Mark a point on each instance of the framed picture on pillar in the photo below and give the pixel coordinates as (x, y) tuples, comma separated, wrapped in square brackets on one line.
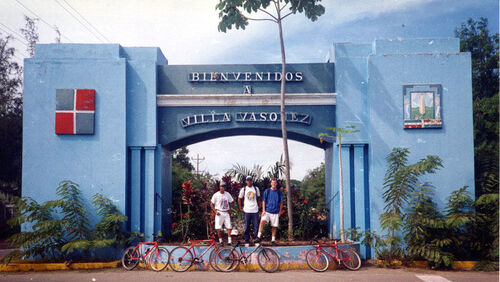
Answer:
[(422, 106)]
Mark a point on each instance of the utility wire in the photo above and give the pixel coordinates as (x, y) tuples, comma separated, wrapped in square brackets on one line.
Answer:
[(44, 21), (13, 31), (91, 25), (78, 20), (14, 37)]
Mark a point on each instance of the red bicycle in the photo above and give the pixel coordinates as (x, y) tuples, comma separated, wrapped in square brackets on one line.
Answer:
[(318, 258), (182, 258), (146, 252)]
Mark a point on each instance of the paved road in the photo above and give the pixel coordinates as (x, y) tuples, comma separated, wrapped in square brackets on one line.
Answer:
[(364, 274)]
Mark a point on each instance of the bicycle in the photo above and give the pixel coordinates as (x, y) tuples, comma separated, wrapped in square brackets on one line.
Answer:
[(146, 252), (182, 258), (318, 258), (228, 259)]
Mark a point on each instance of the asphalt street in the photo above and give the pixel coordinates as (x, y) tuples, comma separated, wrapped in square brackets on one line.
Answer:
[(364, 274)]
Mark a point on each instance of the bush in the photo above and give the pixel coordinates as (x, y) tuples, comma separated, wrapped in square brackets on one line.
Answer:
[(60, 228)]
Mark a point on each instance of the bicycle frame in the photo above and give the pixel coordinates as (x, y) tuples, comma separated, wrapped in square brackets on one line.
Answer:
[(244, 257), (335, 256), (139, 250), (194, 244)]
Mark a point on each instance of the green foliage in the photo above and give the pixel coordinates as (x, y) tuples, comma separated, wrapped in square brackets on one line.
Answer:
[(313, 187), (10, 120), (483, 46), (400, 182), (72, 207), (426, 229), (232, 12), (60, 228)]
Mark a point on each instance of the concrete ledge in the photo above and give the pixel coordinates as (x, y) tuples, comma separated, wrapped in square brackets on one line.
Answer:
[(14, 267)]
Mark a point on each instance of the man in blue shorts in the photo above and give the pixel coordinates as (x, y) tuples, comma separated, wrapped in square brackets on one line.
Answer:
[(272, 208)]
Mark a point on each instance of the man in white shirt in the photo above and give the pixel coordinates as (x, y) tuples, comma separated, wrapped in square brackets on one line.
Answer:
[(221, 206), (250, 195)]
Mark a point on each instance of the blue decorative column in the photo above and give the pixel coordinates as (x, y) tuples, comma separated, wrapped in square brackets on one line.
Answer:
[(360, 191), (329, 193), (158, 192), (135, 189), (149, 192), (166, 190)]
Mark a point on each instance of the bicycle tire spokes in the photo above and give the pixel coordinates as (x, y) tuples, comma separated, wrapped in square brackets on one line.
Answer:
[(181, 259), (268, 260), (317, 260), (227, 259), (159, 259)]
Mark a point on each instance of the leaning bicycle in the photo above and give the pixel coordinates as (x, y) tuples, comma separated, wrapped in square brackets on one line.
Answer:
[(182, 258), (229, 258), (154, 256), (318, 259)]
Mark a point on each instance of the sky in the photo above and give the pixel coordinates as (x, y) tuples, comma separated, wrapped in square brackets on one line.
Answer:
[(186, 32)]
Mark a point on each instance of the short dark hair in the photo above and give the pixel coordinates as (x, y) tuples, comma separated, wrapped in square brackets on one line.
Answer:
[(275, 179)]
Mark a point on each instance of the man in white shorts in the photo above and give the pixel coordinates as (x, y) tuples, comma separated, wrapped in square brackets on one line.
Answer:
[(221, 206), (272, 208)]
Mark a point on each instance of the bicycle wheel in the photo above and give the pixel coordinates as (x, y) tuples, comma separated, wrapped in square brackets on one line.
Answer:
[(158, 259), (317, 260), (227, 259), (130, 258), (350, 259), (181, 259), (213, 253), (268, 260)]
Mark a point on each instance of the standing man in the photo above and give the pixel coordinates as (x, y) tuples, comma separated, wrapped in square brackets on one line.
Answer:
[(221, 206), (251, 195), (272, 208)]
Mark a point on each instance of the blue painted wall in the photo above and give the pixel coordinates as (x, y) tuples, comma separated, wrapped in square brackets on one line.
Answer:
[(96, 162), (369, 84)]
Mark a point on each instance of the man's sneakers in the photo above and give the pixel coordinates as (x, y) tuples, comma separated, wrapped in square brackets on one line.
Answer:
[(257, 240), (273, 243)]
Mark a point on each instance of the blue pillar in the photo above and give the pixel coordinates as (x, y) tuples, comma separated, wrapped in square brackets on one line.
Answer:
[(335, 204), (158, 193), (346, 175), (329, 188), (359, 190), (149, 192), (166, 189), (135, 189)]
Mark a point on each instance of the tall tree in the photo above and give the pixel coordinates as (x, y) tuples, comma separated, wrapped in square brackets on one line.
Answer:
[(235, 13), (10, 118), (339, 132), (483, 46)]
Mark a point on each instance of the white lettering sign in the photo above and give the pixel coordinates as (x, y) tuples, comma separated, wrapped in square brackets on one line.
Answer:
[(244, 76), (272, 117)]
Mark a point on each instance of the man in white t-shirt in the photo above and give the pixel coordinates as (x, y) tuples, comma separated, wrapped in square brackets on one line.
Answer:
[(250, 195), (221, 206)]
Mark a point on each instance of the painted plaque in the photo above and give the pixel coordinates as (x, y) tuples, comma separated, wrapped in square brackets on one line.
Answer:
[(422, 106)]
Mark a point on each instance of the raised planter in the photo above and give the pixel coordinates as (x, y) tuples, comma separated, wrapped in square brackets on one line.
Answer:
[(17, 266), (456, 265)]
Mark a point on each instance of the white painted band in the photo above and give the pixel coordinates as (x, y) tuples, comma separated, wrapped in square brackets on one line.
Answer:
[(199, 100)]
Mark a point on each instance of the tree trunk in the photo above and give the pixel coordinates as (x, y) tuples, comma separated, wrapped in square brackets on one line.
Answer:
[(341, 191), (283, 129)]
